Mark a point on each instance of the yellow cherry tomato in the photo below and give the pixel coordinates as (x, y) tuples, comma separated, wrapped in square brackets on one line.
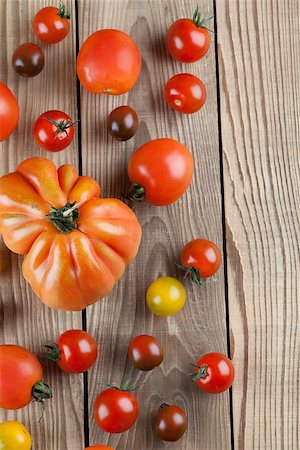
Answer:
[(14, 435), (165, 296)]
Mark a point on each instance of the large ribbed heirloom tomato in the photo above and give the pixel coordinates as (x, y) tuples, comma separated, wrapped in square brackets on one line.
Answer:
[(76, 244)]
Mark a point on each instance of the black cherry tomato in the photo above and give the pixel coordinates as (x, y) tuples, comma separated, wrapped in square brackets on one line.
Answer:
[(170, 422), (123, 123), (145, 352), (28, 60)]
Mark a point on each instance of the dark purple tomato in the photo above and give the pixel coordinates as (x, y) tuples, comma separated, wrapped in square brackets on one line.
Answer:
[(145, 352), (123, 123), (170, 422), (28, 60)]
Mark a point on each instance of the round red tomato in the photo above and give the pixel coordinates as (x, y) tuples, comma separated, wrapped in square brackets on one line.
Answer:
[(99, 447), (75, 351), (170, 422), (200, 258), (115, 410), (214, 373), (160, 172), (9, 112), (185, 93), (20, 378), (51, 24), (145, 352), (109, 62), (188, 40), (53, 131)]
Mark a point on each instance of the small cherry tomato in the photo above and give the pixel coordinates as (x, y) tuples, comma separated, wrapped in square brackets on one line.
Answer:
[(185, 93), (214, 373), (75, 351), (9, 112), (115, 410), (170, 422), (28, 60), (145, 352), (165, 296), (51, 24), (160, 172), (188, 40), (53, 131), (200, 258), (14, 436), (123, 123), (99, 447)]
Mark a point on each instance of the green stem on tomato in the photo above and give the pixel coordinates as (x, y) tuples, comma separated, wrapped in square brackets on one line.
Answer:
[(201, 374), (62, 11), (136, 192), (191, 271), (40, 392), (62, 126), (198, 21)]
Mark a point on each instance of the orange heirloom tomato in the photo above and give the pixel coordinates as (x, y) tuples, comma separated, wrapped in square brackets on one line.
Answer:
[(76, 244)]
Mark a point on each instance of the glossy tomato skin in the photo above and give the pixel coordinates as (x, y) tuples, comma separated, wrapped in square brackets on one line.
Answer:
[(20, 370), (166, 296), (49, 27), (170, 423), (203, 255), (45, 132), (99, 447), (186, 42), (164, 167), (122, 123), (9, 112), (14, 436), (115, 411), (219, 373), (28, 60), (145, 352), (185, 93), (109, 62), (78, 351)]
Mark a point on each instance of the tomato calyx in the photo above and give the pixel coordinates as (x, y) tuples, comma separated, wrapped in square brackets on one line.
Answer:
[(62, 11), (201, 374), (53, 352), (64, 218), (41, 391), (127, 386), (163, 406), (62, 126), (191, 272), (136, 192), (200, 21)]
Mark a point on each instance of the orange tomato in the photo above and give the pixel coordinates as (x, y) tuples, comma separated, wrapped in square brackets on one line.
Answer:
[(76, 244), (109, 62), (9, 112), (99, 447)]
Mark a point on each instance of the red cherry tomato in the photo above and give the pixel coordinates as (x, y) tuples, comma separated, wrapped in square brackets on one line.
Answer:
[(109, 62), (200, 258), (99, 447), (53, 131), (75, 351), (145, 352), (185, 93), (9, 112), (188, 40), (51, 24), (160, 172), (170, 422), (115, 410), (214, 373)]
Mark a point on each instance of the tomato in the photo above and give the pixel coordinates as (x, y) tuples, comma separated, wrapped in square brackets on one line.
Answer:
[(51, 24), (28, 60), (214, 373), (21, 377), (76, 244), (109, 62), (185, 93), (53, 131), (200, 258), (14, 436), (115, 410), (170, 422), (75, 351), (9, 112), (188, 40), (165, 296), (145, 352), (99, 447), (123, 123), (160, 172)]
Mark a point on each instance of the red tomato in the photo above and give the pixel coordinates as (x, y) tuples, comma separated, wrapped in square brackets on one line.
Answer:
[(185, 93), (99, 447), (115, 410), (214, 373), (170, 423), (75, 351), (109, 62), (188, 40), (160, 172), (20, 378), (9, 112), (200, 258), (53, 131), (145, 352), (51, 24)]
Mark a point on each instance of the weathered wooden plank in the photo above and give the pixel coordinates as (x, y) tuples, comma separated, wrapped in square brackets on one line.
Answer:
[(259, 57)]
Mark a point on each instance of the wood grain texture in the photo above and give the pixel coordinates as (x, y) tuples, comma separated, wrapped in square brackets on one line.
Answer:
[(24, 319), (201, 326), (259, 71)]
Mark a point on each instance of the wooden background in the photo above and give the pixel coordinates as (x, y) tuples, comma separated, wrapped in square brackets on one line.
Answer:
[(244, 196)]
